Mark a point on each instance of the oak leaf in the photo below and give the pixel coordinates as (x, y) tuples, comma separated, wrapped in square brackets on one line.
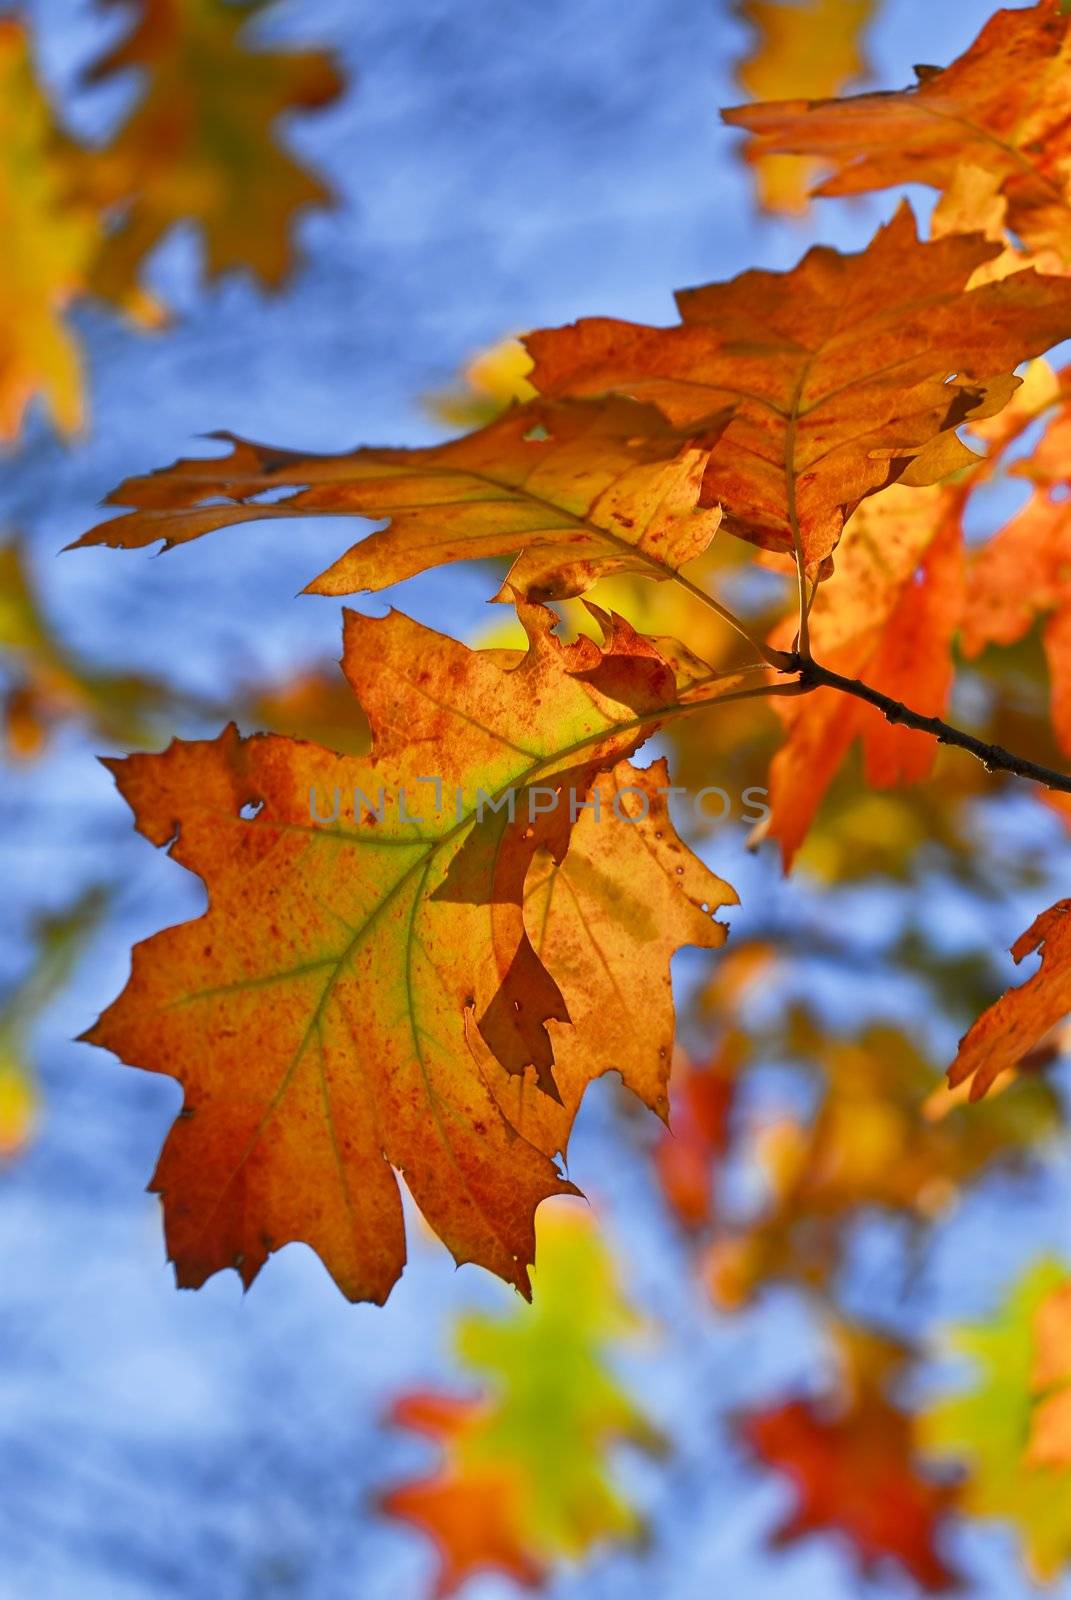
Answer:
[(886, 1134), (851, 1459), (336, 1009), (201, 143), (1024, 571), (1001, 111), (806, 48), (525, 1478), (50, 243), (472, 1512), (844, 375), (580, 489), (887, 615), (1017, 1023), (990, 1427)]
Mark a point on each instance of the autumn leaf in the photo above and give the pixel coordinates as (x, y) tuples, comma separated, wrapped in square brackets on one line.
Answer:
[(989, 1428), (580, 489), (323, 1015), (886, 1134), (851, 1460), (1018, 1022), (845, 375), (699, 1133), (201, 142), (808, 48), (474, 1515), (525, 1478), (1050, 1381), (50, 243), (789, 398), (610, 908), (1022, 572), (493, 380), (1000, 111), (888, 616)]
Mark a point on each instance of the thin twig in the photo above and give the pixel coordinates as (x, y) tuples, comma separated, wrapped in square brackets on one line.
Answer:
[(992, 756)]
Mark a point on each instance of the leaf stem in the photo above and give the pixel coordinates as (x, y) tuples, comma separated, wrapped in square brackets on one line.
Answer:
[(803, 635), (772, 658)]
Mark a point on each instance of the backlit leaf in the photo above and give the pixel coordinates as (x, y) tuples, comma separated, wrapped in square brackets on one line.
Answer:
[(360, 991), (580, 489), (1018, 1022), (988, 1428), (844, 375), (50, 240), (850, 1458), (1003, 109)]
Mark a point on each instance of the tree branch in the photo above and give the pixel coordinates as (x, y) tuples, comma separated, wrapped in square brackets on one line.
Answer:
[(992, 756)]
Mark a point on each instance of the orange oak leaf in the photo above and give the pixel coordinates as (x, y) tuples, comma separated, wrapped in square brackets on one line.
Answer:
[(1017, 1023), (851, 1459), (581, 489), (806, 48), (1002, 111), (473, 1512), (323, 1014), (846, 374), (201, 143), (887, 615), (1024, 571)]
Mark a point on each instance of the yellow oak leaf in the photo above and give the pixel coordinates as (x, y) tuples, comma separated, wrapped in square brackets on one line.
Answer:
[(804, 49), (989, 1427), (50, 241)]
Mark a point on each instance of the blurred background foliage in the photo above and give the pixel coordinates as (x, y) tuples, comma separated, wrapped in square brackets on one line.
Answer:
[(329, 220)]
